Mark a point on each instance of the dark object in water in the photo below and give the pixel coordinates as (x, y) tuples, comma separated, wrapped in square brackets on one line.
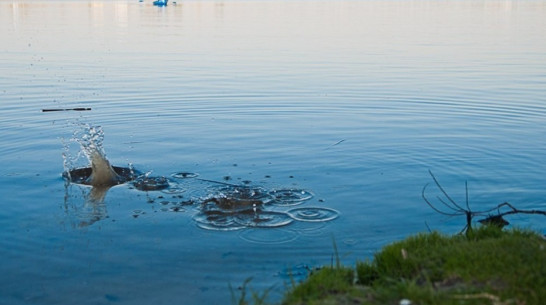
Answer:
[(234, 204), (184, 175), (144, 183), (494, 220), (66, 109), (160, 2), (82, 175), (238, 197)]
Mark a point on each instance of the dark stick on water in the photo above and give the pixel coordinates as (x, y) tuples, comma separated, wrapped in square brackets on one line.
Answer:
[(66, 109), (219, 182), (337, 143)]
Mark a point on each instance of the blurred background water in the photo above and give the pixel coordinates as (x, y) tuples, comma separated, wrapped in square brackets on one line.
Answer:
[(354, 101)]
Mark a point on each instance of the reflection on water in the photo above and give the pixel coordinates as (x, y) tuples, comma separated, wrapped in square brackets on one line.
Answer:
[(291, 113), (94, 208)]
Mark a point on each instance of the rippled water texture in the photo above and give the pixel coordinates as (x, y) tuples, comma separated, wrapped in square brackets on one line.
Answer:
[(261, 132)]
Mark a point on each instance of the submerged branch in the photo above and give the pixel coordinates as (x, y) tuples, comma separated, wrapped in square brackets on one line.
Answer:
[(518, 211)]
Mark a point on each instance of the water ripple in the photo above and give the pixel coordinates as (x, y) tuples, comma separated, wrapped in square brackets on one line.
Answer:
[(289, 197), (313, 214), (263, 219), (278, 236)]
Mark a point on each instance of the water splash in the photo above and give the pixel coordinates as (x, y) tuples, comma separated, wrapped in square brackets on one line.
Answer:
[(224, 207), (91, 141), (236, 207), (102, 173), (99, 172)]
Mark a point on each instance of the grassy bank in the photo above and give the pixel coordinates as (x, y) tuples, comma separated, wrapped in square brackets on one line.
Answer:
[(487, 266)]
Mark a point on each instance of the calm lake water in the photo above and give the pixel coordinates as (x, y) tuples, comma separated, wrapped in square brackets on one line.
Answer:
[(351, 101)]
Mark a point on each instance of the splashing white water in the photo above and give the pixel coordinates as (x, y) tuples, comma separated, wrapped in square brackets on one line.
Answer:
[(102, 172), (90, 139)]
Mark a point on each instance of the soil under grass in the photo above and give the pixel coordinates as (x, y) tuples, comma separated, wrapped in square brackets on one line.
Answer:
[(486, 266)]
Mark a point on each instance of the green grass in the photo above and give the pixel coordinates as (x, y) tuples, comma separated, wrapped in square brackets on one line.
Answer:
[(486, 266), (324, 283)]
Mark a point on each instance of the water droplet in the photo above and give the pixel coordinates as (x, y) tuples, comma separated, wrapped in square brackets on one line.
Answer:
[(184, 175), (177, 209)]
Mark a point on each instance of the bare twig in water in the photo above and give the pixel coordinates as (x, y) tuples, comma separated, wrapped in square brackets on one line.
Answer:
[(454, 209), (518, 211)]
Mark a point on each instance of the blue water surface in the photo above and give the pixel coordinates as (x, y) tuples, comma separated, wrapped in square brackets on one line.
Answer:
[(352, 101)]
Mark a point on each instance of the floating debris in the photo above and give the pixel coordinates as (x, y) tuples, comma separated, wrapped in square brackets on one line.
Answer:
[(144, 183), (495, 220), (231, 204), (66, 109)]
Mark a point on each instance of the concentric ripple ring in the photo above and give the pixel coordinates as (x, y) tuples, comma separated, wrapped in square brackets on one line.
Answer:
[(313, 214)]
